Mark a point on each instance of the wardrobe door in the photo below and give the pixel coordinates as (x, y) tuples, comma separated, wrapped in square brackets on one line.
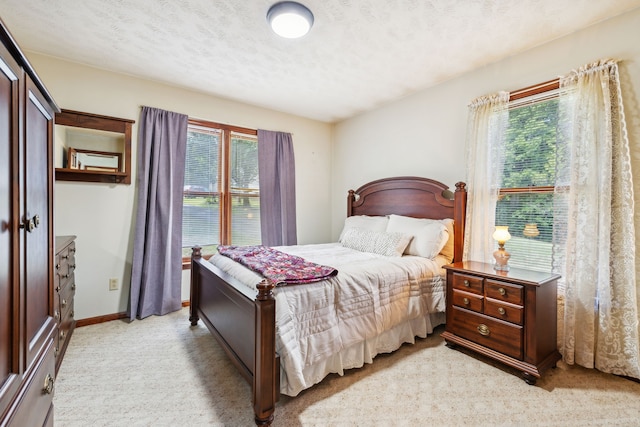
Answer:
[(9, 337), (37, 237)]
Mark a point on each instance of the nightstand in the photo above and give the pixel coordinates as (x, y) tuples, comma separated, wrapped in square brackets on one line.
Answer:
[(509, 316)]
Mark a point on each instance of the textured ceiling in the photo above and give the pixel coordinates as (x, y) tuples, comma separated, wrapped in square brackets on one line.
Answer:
[(359, 54)]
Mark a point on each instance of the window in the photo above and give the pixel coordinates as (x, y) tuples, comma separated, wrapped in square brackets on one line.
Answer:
[(526, 201), (221, 193)]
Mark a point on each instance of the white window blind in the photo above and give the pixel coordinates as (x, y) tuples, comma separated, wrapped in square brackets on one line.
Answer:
[(201, 200), (244, 190), (526, 203)]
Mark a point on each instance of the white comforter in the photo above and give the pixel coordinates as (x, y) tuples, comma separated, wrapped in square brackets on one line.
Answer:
[(373, 305)]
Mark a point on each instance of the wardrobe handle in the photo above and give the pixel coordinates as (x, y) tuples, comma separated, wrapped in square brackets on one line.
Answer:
[(28, 225), (48, 384)]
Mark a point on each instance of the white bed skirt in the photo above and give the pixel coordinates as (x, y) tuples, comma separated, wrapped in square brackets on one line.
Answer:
[(363, 352)]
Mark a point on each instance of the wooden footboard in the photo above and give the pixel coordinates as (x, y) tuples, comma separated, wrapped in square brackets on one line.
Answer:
[(245, 329)]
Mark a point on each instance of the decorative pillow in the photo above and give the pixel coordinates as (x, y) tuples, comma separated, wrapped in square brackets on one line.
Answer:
[(447, 250), (429, 235), (373, 223), (376, 242)]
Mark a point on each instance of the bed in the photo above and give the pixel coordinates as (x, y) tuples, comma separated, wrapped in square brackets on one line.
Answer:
[(243, 321)]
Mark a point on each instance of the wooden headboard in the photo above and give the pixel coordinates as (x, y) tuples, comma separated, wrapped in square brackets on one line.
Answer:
[(415, 197)]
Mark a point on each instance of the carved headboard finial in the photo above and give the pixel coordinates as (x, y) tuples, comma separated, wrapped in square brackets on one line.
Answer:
[(461, 186)]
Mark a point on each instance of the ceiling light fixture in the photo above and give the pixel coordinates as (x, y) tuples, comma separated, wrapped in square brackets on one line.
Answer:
[(290, 19)]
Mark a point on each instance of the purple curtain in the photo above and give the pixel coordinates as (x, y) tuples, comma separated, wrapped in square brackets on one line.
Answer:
[(157, 247), (276, 168)]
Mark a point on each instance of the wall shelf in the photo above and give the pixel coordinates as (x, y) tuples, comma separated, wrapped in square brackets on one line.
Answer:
[(86, 131)]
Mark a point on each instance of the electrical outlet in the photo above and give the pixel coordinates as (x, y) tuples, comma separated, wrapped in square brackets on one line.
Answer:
[(114, 284)]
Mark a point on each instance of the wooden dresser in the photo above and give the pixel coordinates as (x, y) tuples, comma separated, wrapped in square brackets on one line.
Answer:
[(27, 324), (65, 289), (509, 316)]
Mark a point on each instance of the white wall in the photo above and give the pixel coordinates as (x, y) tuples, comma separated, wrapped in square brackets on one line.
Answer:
[(102, 215), (424, 134), (420, 135)]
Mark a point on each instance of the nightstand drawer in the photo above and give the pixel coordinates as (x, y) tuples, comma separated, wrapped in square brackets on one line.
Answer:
[(503, 291), (467, 283), (504, 311), (468, 300), (500, 336)]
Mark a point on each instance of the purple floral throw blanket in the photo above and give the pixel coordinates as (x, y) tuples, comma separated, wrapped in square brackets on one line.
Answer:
[(279, 267)]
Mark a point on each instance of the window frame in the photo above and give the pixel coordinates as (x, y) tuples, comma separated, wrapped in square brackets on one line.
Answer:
[(224, 171), (552, 87)]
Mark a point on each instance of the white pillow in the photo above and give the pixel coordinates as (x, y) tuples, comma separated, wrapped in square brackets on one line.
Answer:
[(373, 223), (429, 235), (447, 250), (376, 242)]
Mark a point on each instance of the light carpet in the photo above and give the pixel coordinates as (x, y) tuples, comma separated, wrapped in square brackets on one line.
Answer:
[(160, 371)]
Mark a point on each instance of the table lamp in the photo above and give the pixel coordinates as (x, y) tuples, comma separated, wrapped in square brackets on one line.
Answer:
[(501, 235)]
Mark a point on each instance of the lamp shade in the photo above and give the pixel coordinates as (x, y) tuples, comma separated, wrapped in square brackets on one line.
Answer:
[(290, 19), (501, 234)]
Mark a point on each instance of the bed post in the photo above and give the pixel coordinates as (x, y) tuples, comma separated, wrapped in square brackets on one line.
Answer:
[(350, 199), (265, 378), (459, 218), (196, 254)]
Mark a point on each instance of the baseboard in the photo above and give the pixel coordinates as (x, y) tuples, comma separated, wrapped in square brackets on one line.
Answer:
[(109, 317), (100, 319)]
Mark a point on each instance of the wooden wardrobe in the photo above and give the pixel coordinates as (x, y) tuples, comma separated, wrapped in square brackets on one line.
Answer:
[(27, 324)]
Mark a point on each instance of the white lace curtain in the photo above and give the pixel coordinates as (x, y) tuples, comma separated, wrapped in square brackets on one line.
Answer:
[(595, 250), (486, 130), (601, 314)]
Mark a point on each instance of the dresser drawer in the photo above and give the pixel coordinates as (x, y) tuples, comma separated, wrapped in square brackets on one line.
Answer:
[(65, 265), (503, 291), (468, 300), (66, 327), (504, 311), (35, 406), (467, 283), (500, 336), (65, 296)]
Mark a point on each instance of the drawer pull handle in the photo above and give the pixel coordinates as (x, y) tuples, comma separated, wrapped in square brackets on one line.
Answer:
[(64, 302), (56, 315), (64, 276), (466, 283), (501, 310), (502, 291), (73, 287), (66, 256), (483, 329), (72, 314), (72, 266), (72, 249), (48, 384), (465, 301), (61, 335), (58, 266)]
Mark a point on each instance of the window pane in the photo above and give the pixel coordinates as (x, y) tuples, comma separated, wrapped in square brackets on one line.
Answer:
[(530, 155), (201, 208), (530, 220), (244, 187), (530, 163)]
